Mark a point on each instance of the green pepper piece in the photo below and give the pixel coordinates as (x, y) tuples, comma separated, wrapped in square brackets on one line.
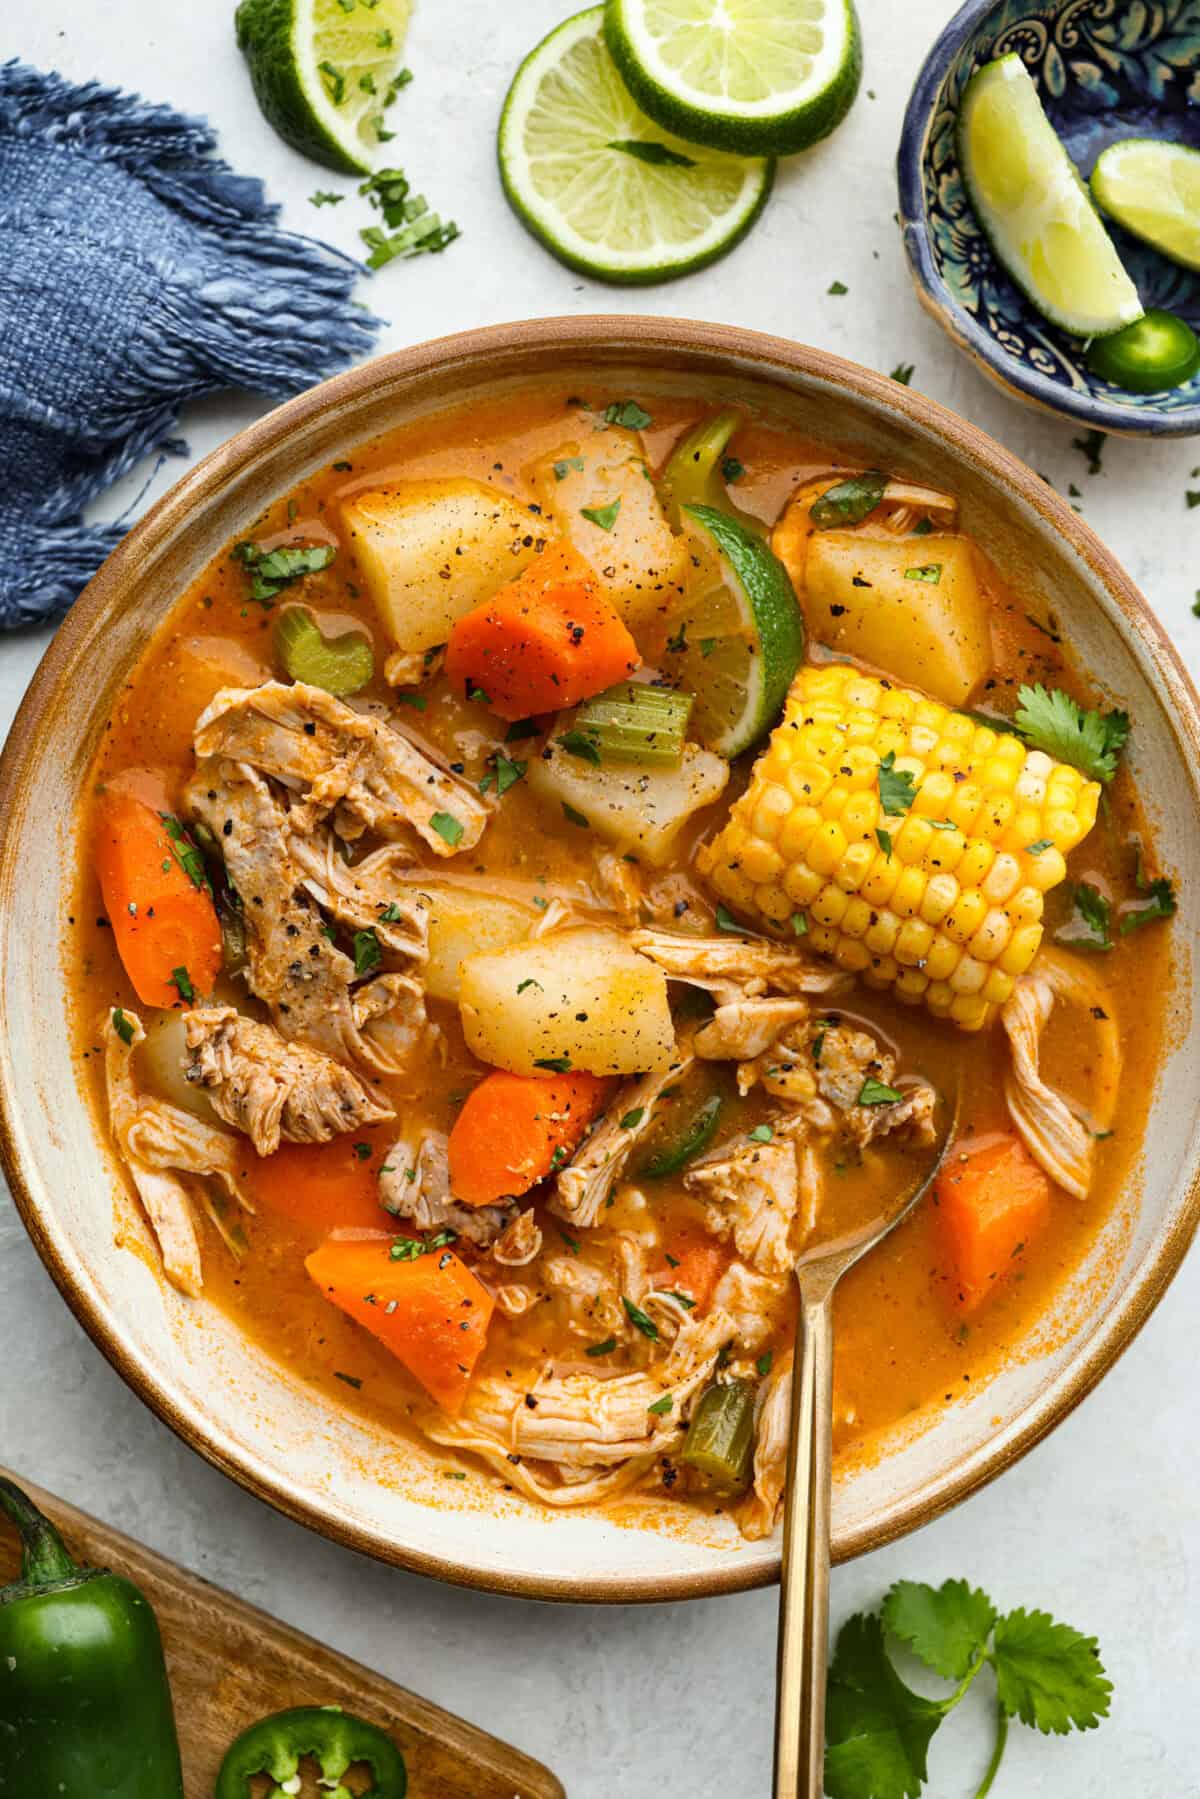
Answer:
[(340, 665), (85, 1708), (685, 1138), (720, 1439), (692, 476), (1157, 352), (333, 1738)]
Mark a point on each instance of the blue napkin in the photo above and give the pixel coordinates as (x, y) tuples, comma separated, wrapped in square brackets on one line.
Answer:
[(136, 271)]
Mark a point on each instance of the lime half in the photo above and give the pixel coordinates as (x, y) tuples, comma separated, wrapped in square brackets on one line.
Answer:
[(737, 643), (600, 184), (763, 77), (1153, 189), (324, 72), (1034, 208)]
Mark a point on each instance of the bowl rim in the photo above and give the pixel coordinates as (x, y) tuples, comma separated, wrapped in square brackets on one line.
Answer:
[(639, 338), (934, 292)]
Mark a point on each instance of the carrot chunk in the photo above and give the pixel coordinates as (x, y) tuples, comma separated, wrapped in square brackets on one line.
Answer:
[(547, 640), (156, 894), (321, 1187), (431, 1312), (692, 1264), (992, 1201), (515, 1129)]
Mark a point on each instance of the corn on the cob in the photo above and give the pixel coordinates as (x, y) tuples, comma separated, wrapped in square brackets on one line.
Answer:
[(942, 901)]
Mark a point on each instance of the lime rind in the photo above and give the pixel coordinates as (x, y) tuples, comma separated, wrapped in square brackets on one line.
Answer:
[(597, 208), (776, 86), (1152, 188), (1035, 210), (739, 646), (321, 74)]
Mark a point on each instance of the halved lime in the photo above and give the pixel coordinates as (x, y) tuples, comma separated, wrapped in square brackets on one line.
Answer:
[(600, 184), (1035, 209), (324, 71), (737, 642), (1153, 189), (764, 77)]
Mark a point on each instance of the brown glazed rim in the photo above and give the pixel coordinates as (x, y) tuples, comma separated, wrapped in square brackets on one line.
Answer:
[(506, 350)]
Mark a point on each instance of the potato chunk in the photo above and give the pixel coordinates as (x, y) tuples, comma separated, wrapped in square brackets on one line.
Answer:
[(909, 605), (638, 559), (576, 999), (637, 809), (463, 922), (431, 550)]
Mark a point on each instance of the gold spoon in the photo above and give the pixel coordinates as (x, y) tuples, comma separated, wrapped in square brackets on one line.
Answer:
[(804, 1578)]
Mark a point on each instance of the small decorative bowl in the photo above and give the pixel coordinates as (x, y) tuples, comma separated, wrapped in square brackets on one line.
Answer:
[(1105, 69)]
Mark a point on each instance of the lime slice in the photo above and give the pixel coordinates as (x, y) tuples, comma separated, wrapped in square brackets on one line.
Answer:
[(763, 77), (324, 71), (736, 644), (1153, 189), (600, 184), (1034, 208)]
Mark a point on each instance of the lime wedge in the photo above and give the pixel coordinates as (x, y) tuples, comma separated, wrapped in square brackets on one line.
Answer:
[(600, 184), (1153, 189), (1034, 208), (324, 71), (763, 77), (737, 643)]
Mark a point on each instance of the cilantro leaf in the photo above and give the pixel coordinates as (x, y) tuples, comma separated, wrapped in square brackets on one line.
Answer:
[(367, 953), (1049, 1675), (877, 1729), (1095, 911), (897, 788), (448, 828), (639, 1319), (603, 516), (848, 502), (1090, 741), (877, 1093), (628, 414), (947, 1626), (1160, 903)]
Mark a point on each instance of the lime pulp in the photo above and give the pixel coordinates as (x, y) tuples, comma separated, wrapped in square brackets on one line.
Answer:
[(1152, 188)]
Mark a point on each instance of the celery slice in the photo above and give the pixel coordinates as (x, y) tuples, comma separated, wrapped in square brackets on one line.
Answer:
[(720, 1439), (632, 723)]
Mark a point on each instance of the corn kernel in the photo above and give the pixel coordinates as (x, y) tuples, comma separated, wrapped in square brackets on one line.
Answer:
[(964, 806), (860, 815), (970, 1011), (883, 971), (808, 782), (1047, 869), (880, 937), (943, 958), (800, 883), (912, 840), (934, 795), (896, 704), (909, 891), (940, 894), (997, 989), (1026, 906), (997, 774), (829, 907), (914, 942), (1002, 879), (855, 866), (852, 955), (760, 862), (797, 832), (822, 938), (774, 806), (965, 918), (969, 976), (992, 937), (863, 691), (880, 883), (773, 903), (1023, 946), (826, 848), (939, 997), (911, 985)]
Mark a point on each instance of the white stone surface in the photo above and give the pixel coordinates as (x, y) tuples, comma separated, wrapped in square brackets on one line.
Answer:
[(1101, 1524)]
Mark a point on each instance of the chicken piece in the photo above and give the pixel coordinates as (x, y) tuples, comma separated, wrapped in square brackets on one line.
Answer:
[(520, 1243), (744, 1029), (331, 757), (618, 885), (735, 968), (586, 1182), (595, 1432), (162, 1145), (751, 1193), (773, 1429), (755, 1302), (850, 1058), (414, 1185), (308, 983), (271, 1089), (369, 895), (1062, 1143)]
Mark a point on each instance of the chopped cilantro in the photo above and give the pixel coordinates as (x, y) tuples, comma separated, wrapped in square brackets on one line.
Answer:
[(599, 1349), (603, 516), (639, 1320), (563, 467), (727, 922), (799, 924), (271, 571), (838, 288), (528, 982), (182, 983), (411, 1249), (884, 840), (632, 1119), (581, 744), (848, 502), (629, 415), (762, 1133), (574, 817), (732, 470), (122, 1026), (1091, 445), (448, 828), (930, 572), (662, 1406), (323, 197), (876, 1093), (897, 788), (764, 1362), (367, 953), (903, 373), (556, 1064), (1090, 741)]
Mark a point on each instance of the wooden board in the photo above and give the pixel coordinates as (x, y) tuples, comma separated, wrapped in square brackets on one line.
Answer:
[(230, 1664)]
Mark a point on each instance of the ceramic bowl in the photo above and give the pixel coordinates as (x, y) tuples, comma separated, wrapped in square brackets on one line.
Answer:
[(247, 1414), (1105, 70)]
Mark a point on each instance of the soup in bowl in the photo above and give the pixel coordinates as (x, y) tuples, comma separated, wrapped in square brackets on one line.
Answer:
[(571, 838)]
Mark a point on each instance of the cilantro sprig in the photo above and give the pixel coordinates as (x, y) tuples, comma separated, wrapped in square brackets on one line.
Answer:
[(1051, 720), (878, 1731)]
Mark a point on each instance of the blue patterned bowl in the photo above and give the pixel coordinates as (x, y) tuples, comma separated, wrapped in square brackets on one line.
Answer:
[(1106, 69)]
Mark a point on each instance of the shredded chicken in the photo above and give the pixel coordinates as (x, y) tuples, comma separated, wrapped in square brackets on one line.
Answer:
[(408, 668), (772, 1434), (619, 885), (850, 1058), (1062, 1143), (746, 1029), (271, 1089), (586, 1182), (309, 984), (330, 757), (520, 1243), (591, 1433), (751, 1192), (753, 1302), (735, 968), (414, 1185), (162, 1146), (369, 895)]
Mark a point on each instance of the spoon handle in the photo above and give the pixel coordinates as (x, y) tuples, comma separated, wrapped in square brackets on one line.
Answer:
[(804, 1591)]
